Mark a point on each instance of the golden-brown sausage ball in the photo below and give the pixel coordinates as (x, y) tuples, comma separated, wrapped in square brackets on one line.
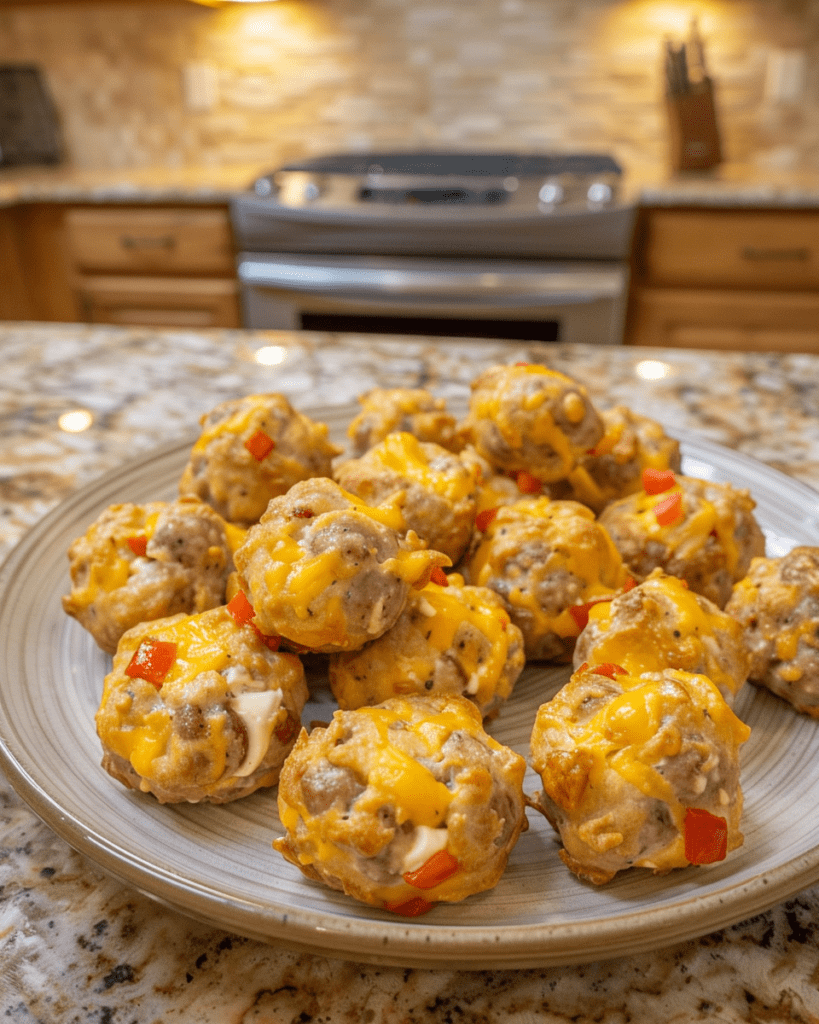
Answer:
[(545, 558), (409, 410), (252, 449), (198, 708), (661, 624), (701, 531), (402, 805), (450, 638), (613, 468), (777, 606), (528, 417), (639, 772), (439, 491), (327, 571), (141, 562)]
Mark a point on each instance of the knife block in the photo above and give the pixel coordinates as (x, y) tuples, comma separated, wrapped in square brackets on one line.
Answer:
[(694, 139)]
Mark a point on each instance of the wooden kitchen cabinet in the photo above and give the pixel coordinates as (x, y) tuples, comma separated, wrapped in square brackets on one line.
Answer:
[(153, 265), (158, 266), (725, 279)]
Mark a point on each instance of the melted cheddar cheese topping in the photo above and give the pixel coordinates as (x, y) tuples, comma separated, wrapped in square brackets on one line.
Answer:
[(635, 731), (578, 546), (294, 579), (689, 532), (386, 754), (242, 421), (113, 560), (388, 667), (138, 725), (651, 645), (403, 454), (528, 416)]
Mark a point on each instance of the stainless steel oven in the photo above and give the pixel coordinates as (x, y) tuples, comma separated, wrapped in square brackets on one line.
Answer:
[(447, 244)]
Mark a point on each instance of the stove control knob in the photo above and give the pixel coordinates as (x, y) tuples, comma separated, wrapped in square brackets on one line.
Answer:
[(263, 187), (599, 193), (311, 191), (550, 193)]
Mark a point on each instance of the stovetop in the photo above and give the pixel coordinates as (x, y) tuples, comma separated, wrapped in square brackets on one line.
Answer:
[(544, 182)]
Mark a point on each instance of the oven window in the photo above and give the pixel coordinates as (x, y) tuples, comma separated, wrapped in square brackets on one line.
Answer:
[(514, 330)]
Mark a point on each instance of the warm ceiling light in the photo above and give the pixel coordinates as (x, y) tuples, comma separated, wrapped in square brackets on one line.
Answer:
[(223, 3)]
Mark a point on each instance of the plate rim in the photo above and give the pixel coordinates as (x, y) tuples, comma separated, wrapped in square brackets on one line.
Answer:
[(391, 943)]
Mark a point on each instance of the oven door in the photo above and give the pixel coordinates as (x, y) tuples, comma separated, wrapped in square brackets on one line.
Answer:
[(537, 300)]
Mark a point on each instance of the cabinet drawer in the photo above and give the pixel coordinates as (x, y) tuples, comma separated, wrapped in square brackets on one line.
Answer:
[(732, 249), (163, 241), (735, 320), (159, 302)]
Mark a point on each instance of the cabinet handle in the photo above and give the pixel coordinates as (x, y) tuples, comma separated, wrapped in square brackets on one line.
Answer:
[(796, 255), (159, 242)]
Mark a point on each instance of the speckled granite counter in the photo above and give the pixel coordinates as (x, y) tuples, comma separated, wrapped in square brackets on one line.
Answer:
[(76, 946), (731, 185)]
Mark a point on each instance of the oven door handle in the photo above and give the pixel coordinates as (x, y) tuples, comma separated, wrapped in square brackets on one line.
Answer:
[(563, 287)]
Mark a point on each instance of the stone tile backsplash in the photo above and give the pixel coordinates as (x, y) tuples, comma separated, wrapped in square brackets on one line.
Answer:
[(172, 83)]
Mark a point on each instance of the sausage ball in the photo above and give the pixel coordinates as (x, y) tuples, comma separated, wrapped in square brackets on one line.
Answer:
[(252, 449), (528, 417), (328, 572), (639, 772), (701, 531), (450, 638), (662, 624), (410, 410), (613, 468), (545, 558), (777, 606), (198, 708), (402, 805), (438, 491), (143, 562)]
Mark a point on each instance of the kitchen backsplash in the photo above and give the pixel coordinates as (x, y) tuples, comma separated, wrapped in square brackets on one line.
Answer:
[(173, 83)]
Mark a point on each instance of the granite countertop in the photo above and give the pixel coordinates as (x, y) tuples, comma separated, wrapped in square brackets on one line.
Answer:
[(77, 946), (732, 185)]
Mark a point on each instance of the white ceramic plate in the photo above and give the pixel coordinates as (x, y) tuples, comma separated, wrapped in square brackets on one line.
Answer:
[(215, 863)]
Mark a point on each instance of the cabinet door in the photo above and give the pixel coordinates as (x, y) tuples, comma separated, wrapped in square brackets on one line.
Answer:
[(735, 320), (151, 240), (159, 302), (14, 299), (770, 249)]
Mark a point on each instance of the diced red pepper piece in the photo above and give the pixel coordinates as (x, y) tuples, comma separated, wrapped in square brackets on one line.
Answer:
[(656, 481), (139, 545), (630, 584), (437, 575), (413, 907), (580, 612), (437, 869), (527, 483), (260, 445), (287, 730), (240, 608), (484, 518), (706, 837), (669, 510), (303, 512), (608, 668), (152, 661)]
